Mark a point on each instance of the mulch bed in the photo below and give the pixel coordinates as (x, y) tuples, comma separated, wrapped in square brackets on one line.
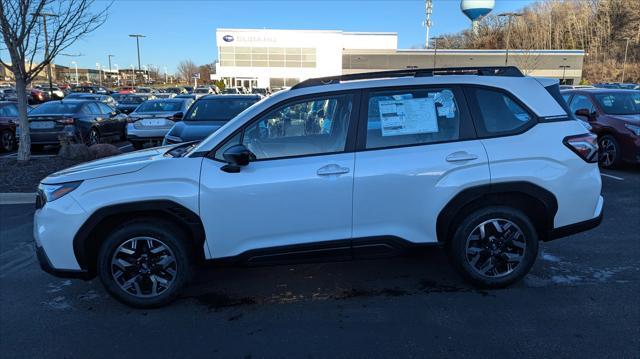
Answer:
[(24, 177)]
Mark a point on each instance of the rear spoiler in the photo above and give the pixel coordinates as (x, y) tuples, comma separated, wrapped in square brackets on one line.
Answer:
[(553, 87)]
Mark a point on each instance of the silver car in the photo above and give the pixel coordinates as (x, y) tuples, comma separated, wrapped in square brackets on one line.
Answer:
[(151, 121)]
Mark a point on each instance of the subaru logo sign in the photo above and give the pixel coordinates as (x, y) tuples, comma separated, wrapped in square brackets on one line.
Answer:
[(227, 38)]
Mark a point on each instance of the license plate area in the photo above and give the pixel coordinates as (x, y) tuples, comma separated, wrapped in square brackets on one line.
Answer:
[(153, 122), (38, 125)]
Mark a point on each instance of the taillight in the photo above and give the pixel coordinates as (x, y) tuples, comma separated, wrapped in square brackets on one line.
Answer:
[(585, 146), (66, 121)]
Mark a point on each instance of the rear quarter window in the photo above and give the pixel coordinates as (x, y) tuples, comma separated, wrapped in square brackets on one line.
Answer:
[(497, 113)]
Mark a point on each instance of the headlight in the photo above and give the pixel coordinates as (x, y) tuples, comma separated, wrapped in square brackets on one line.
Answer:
[(51, 192), (633, 128)]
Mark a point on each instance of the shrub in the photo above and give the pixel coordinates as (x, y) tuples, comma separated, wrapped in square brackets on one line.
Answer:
[(75, 151), (102, 150)]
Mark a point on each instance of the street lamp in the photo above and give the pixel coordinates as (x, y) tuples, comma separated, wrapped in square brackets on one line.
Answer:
[(435, 49), (117, 75), (76, 65), (564, 68), (509, 15), (138, 36), (165, 75), (46, 43), (99, 72), (133, 76)]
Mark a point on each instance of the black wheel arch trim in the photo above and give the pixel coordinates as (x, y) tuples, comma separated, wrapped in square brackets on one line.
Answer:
[(187, 219), (458, 203)]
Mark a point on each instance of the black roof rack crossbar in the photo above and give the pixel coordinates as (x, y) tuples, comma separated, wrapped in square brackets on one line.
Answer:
[(508, 71)]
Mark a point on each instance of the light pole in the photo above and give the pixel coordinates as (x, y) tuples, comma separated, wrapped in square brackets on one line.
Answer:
[(117, 75), (133, 76), (46, 44), (165, 74), (99, 73), (138, 36), (76, 65), (624, 63), (509, 15), (564, 68), (435, 49)]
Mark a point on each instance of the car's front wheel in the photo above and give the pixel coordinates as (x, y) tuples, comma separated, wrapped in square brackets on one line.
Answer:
[(609, 156), (145, 263), (494, 247)]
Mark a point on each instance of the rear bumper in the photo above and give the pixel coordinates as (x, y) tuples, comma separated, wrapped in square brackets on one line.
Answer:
[(139, 134), (45, 265), (48, 138), (575, 228)]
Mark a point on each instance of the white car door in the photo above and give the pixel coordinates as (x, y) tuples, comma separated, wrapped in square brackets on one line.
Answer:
[(418, 152), (298, 189)]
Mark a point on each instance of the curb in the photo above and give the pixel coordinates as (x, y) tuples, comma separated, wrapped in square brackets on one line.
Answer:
[(17, 198)]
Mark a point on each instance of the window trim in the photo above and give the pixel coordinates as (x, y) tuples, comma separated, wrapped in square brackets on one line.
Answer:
[(467, 130), (350, 143), (476, 113)]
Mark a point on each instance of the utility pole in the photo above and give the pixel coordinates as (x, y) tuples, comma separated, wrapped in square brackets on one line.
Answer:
[(46, 45), (427, 22), (435, 49), (624, 63), (509, 15), (564, 68), (138, 36)]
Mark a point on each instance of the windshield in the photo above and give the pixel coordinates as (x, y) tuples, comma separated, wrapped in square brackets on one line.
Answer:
[(133, 100), (201, 91), (619, 103), (55, 108), (160, 106), (230, 91), (217, 109)]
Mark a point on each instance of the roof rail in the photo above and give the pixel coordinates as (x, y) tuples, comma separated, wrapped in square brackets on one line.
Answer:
[(508, 71)]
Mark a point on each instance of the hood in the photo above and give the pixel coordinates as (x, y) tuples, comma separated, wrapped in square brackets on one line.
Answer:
[(110, 166), (195, 130)]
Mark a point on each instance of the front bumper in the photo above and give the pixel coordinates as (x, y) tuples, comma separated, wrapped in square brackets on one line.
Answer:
[(45, 265)]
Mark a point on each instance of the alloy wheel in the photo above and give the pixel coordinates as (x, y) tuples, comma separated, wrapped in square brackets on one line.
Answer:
[(94, 137), (608, 152), (495, 248), (8, 140), (144, 267)]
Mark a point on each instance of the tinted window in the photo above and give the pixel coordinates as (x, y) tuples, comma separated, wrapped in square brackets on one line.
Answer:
[(498, 113), (160, 106), (92, 108), (55, 108), (409, 117), (620, 103), (132, 100), (9, 111), (105, 109), (219, 109), (581, 102), (303, 128)]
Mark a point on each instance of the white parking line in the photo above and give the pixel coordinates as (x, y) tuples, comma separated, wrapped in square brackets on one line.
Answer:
[(610, 176)]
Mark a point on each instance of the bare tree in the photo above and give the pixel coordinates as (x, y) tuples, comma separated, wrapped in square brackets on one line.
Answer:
[(186, 69), (22, 23)]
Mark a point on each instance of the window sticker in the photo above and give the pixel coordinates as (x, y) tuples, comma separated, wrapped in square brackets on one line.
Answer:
[(447, 106), (410, 116)]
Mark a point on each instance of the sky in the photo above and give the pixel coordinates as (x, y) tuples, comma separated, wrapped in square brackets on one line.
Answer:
[(177, 30)]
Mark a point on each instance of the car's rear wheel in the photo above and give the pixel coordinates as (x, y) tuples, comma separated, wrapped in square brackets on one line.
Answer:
[(609, 152), (494, 247), (145, 263), (7, 140)]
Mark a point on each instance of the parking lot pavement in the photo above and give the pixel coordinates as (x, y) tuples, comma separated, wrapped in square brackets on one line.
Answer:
[(50, 151), (580, 299)]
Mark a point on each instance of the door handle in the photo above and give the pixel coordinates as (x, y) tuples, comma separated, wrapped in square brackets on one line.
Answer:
[(461, 156), (332, 169)]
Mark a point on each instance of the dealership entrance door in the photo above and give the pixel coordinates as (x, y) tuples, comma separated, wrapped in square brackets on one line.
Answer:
[(248, 83)]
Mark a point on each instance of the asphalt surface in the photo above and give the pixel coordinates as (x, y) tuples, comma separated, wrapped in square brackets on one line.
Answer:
[(580, 300)]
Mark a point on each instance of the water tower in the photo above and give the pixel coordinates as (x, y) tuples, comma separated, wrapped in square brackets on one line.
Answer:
[(475, 10)]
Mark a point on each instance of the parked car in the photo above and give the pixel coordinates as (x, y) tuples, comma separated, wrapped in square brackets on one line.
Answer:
[(53, 92), (569, 87), (8, 94), (165, 95), (233, 91), (204, 90), (37, 96), (8, 125), (189, 89), (74, 120), (90, 89), (149, 123), (207, 115), (614, 116), (116, 96), (129, 103), (263, 91), (107, 99), (176, 90), (486, 165), (127, 90), (148, 90)]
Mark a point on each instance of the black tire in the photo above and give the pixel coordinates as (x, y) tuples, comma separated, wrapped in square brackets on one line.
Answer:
[(609, 156), (165, 233), (526, 249), (93, 136), (7, 140)]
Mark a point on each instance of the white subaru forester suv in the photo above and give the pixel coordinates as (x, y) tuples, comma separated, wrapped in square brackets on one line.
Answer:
[(485, 162)]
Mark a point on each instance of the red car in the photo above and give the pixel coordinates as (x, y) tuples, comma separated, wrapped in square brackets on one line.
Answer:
[(8, 125), (614, 116), (37, 96)]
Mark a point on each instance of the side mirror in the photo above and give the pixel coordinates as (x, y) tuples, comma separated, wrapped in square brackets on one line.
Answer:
[(237, 156), (178, 116), (583, 112)]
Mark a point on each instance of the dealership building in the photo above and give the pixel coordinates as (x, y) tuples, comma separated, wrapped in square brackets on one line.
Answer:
[(281, 58)]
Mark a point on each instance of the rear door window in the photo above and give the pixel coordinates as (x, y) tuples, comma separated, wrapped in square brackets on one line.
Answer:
[(496, 113)]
